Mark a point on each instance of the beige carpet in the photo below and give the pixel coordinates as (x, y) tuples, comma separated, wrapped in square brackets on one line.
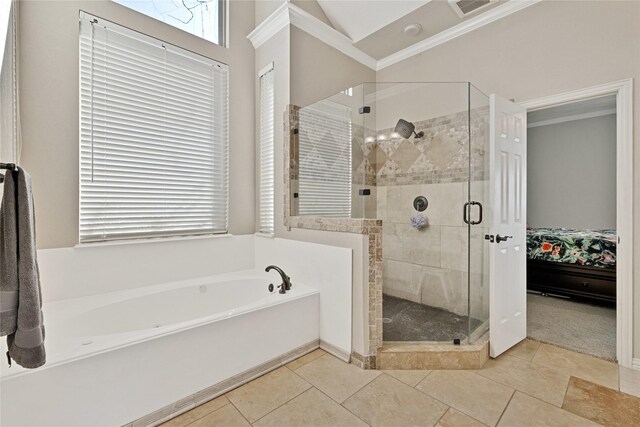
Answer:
[(585, 328)]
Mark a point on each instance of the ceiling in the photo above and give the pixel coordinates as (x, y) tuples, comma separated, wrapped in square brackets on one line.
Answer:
[(357, 19), (573, 111), (434, 16)]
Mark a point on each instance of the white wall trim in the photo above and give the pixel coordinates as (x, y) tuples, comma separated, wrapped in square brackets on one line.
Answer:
[(636, 364), (572, 118), (289, 13), (465, 27), (624, 200), (318, 29), (268, 28)]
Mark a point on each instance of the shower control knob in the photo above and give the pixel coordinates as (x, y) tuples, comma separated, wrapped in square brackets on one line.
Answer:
[(500, 238)]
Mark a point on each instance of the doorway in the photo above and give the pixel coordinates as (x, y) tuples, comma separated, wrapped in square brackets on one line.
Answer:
[(623, 260), (571, 226)]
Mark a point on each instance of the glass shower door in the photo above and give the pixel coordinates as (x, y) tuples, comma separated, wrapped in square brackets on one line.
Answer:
[(478, 226)]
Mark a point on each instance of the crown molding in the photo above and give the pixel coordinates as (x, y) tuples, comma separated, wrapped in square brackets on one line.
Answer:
[(290, 14), (268, 28), (311, 25), (465, 27)]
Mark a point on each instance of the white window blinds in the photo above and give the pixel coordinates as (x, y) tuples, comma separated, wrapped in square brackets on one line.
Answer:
[(267, 214), (325, 175), (153, 137)]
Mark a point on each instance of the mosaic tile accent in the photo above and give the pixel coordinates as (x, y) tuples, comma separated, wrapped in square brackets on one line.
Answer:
[(442, 155)]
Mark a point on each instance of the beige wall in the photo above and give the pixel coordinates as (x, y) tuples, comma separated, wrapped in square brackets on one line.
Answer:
[(49, 96), (549, 48), (264, 8), (319, 71)]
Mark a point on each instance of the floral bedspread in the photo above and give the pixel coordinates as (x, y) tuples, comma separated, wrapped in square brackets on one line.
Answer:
[(596, 248)]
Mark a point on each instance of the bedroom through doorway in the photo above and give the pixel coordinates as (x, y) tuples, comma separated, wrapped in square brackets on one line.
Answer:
[(571, 226)]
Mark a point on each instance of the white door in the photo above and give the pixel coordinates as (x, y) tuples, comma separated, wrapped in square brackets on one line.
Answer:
[(507, 241)]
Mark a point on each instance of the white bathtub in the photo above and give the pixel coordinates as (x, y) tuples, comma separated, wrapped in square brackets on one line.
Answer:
[(143, 349)]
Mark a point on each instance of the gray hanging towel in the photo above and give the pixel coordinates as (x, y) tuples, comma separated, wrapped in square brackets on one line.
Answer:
[(19, 276), (8, 257)]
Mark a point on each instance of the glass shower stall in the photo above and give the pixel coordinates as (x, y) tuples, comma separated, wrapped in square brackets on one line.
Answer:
[(414, 155)]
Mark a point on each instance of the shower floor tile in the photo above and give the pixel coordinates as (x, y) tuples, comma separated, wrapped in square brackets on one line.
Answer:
[(411, 321)]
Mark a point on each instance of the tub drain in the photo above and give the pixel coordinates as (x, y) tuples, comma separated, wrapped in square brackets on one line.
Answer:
[(156, 325), (386, 320)]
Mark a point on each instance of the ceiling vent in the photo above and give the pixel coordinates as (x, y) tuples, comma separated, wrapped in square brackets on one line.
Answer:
[(467, 7)]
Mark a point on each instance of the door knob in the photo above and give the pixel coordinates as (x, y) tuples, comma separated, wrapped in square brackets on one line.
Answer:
[(500, 238)]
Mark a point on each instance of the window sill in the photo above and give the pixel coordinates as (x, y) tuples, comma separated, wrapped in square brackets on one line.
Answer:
[(151, 240)]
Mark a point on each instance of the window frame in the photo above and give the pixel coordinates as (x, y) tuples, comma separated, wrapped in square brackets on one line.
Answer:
[(223, 22)]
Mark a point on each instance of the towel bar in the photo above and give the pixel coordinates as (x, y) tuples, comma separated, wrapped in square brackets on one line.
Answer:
[(8, 166)]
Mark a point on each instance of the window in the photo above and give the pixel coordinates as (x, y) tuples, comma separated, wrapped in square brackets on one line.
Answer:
[(203, 18), (267, 215), (153, 137), (325, 177)]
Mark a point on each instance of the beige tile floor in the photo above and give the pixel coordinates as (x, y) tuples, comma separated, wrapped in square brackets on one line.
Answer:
[(533, 384)]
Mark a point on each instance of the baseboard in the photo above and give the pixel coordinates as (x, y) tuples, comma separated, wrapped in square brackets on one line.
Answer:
[(635, 363), (183, 405), (337, 352)]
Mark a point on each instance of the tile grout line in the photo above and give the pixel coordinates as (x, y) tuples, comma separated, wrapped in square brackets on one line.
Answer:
[(422, 380), (368, 382), (527, 393), (280, 406), (342, 406), (240, 412), (560, 408), (566, 390), (442, 416), (306, 363), (505, 408), (522, 391), (449, 405), (195, 407)]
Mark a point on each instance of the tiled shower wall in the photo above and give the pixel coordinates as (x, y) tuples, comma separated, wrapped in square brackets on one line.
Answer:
[(430, 266)]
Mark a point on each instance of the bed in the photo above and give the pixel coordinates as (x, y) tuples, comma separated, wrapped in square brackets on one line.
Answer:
[(573, 263)]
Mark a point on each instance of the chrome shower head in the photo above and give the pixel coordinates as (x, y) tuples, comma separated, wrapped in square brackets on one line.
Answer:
[(405, 129)]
